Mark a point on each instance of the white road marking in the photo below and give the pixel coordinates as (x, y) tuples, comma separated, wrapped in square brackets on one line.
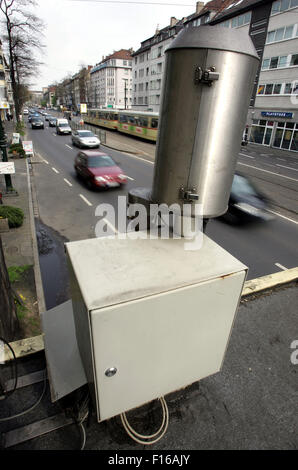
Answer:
[(283, 159), (68, 146), (288, 167), (138, 158), (281, 266), (44, 160), (244, 155), (54, 134), (267, 171), (283, 216), (129, 178), (68, 182), (85, 200), (54, 169)]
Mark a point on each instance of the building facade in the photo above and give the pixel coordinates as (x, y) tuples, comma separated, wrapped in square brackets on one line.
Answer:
[(273, 27), (6, 95), (148, 67), (149, 59), (111, 81)]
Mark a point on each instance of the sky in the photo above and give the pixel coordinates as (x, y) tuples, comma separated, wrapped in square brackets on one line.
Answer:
[(82, 31)]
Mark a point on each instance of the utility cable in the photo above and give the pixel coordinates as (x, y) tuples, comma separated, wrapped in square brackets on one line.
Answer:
[(140, 438), (33, 406), (7, 394)]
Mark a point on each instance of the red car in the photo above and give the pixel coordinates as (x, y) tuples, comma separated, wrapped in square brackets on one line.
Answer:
[(98, 170)]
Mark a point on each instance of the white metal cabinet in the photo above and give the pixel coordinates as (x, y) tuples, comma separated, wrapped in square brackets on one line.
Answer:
[(158, 314)]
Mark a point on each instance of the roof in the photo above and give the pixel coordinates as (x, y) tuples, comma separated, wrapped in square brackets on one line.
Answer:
[(122, 54), (232, 8)]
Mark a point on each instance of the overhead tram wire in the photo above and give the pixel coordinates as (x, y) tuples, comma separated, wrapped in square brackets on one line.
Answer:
[(135, 3)]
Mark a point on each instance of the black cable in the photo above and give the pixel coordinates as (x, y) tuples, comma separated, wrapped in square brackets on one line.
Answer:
[(7, 394)]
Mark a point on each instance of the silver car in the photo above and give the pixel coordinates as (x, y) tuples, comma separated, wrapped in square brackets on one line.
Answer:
[(84, 138)]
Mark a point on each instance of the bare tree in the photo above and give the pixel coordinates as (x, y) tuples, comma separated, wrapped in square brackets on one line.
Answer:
[(22, 33)]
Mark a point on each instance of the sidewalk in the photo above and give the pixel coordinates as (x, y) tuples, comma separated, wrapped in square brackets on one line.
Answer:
[(19, 245)]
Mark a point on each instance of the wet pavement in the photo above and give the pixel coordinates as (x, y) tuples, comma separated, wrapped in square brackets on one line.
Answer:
[(53, 266)]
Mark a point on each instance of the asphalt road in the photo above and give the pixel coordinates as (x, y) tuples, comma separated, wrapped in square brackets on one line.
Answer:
[(68, 207)]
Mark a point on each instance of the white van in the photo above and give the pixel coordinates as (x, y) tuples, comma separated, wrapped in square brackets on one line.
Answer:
[(62, 127)]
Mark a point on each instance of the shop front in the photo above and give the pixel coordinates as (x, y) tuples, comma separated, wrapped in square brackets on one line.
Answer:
[(274, 129)]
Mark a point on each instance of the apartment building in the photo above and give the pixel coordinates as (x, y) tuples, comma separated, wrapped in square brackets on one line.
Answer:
[(149, 59), (273, 27), (6, 100), (148, 67), (111, 81)]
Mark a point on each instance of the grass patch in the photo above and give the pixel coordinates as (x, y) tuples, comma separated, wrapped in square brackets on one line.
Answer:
[(21, 311), (15, 272), (14, 215)]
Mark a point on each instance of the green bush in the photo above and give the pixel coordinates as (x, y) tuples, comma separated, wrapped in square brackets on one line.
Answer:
[(20, 128), (18, 148), (14, 215)]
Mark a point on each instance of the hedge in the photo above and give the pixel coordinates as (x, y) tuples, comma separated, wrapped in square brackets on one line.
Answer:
[(14, 215)]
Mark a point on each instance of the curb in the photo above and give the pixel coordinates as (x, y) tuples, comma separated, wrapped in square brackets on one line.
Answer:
[(35, 344), (270, 281), (37, 273)]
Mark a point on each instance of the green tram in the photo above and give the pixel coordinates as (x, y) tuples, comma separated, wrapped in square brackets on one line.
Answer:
[(102, 117), (142, 124)]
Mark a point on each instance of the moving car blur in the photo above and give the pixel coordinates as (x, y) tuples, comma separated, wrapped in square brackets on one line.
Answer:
[(98, 170), (84, 138), (37, 123), (246, 203)]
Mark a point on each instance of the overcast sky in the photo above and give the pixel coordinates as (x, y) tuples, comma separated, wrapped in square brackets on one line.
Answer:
[(82, 31)]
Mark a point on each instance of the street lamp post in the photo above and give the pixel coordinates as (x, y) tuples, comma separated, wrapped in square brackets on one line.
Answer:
[(3, 146), (125, 90)]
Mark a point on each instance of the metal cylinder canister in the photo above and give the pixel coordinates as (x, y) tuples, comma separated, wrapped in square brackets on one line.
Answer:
[(208, 83)]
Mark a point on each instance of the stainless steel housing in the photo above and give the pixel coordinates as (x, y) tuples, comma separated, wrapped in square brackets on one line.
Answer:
[(201, 126)]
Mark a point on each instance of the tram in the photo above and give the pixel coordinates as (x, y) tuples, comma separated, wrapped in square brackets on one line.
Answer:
[(142, 124)]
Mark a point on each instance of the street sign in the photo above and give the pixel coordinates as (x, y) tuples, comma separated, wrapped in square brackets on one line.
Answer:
[(28, 147), (7, 168), (83, 108)]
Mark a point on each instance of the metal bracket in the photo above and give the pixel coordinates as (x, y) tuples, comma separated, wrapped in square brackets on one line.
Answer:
[(189, 194), (205, 76)]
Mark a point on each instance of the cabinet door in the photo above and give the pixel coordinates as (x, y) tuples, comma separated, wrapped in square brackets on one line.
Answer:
[(161, 343)]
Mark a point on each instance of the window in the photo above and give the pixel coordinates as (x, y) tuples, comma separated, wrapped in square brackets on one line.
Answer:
[(240, 20), (143, 121), (277, 88), (283, 5), (269, 89), (288, 89), (141, 73), (280, 34), (154, 123), (273, 63), (282, 61), (125, 62)]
